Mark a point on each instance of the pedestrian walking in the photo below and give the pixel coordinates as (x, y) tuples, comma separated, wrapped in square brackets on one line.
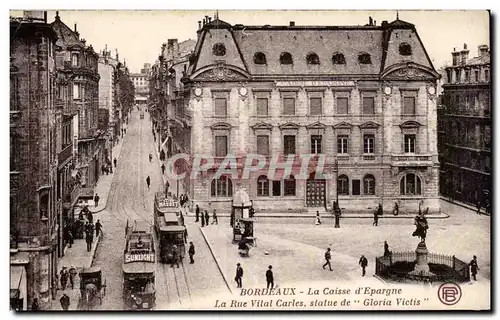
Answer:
[(375, 219), (214, 218), (270, 277), (395, 211), (103, 168), (70, 236), (89, 238), (207, 216), (90, 217), (202, 218), (478, 206), (72, 276), (239, 275), (175, 256), (150, 157), (363, 262), (64, 278), (35, 306), (114, 162), (318, 219), (65, 303), (474, 268), (163, 168), (387, 253), (328, 257), (98, 228), (191, 252), (148, 181), (96, 199), (197, 213)]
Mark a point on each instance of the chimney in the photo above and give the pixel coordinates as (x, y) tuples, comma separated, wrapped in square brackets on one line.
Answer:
[(384, 23), (209, 19), (204, 22), (482, 50), (292, 23), (75, 28), (375, 22), (370, 21), (464, 54), (45, 16), (455, 57)]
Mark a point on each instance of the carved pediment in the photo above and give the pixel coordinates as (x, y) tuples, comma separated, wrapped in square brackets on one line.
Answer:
[(316, 125), (75, 47), (289, 126), (369, 125), (410, 124), (221, 126), (262, 126), (342, 125), (221, 72), (409, 71)]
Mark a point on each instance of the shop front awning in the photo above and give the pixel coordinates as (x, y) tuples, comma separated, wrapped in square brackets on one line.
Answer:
[(17, 273)]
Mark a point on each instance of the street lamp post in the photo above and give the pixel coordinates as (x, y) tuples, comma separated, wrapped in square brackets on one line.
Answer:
[(336, 207)]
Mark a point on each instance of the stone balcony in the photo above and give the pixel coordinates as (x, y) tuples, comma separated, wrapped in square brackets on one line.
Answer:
[(414, 160)]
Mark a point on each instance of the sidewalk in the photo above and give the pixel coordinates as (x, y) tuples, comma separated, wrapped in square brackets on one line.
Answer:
[(104, 183), (77, 255), (464, 205)]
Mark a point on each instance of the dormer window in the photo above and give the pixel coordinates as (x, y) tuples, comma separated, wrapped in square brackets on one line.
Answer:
[(286, 58), (219, 50), (364, 58), (312, 58), (259, 58), (405, 49), (74, 59), (338, 58)]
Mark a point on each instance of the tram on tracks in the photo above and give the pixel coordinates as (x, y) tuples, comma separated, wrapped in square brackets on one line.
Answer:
[(169, 228), (139, 268)]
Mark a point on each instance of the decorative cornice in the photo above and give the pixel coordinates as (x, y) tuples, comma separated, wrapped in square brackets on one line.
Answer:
[(369, 125), (342, 125), (221, 126), (289, 126), (410, 124), (262, 126)]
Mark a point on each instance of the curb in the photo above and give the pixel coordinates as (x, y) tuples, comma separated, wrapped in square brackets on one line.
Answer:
[(345, 216), (463, 205), (216, 260), (95, 249)]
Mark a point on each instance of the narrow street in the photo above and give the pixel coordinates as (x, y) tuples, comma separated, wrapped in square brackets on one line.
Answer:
[(130, 199)]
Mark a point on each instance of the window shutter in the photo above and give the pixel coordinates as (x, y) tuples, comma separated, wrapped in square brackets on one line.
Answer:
[(263, 145), (368, 105), (288, 106), (262, 106), (220, 107), (315, 105), (409, 105)]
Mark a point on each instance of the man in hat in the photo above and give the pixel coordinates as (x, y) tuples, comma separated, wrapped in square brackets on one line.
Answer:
[(270, 277), (65, 302), (328, 256), (191, 252), (175, 256), (363, 262), (72, 276), (239, 275)]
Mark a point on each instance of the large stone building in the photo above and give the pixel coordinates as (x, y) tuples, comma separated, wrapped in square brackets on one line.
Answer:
[(107, 92), (33, 160), (465, 128), (364, 96), (141, 84)]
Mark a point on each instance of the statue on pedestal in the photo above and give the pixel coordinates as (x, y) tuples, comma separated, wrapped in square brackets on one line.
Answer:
[(421, 227)]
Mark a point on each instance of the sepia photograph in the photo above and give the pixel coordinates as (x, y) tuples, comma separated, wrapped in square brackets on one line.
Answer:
[(250, 160)]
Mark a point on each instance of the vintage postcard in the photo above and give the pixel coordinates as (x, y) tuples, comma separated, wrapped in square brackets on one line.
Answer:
[(250, 160)]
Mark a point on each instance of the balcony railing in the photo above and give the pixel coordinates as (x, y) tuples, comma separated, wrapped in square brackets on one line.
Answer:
[(411, 159)]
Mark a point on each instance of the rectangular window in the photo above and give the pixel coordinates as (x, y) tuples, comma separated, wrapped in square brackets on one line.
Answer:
[(76, 91), (14, 94), (262, 106), (220, 146), (476, 75), (342, 105), (467, 75), (342, 144), (315, 106), (356, 187), (467, 102), (289, 144), (369, 143), (288, 106), (74, 59), (276, 188), (487, 75), (220, 107), (457, 76), (409, 105), (316, 144), (263, 145), (368, 105), (410, 140)]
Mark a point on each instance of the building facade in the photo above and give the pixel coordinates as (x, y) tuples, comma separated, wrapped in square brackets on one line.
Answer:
[(362, 97), (141, 84), (33, 160), (464, 125)]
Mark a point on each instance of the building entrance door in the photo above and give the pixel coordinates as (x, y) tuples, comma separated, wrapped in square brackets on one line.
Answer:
[(315, 192)]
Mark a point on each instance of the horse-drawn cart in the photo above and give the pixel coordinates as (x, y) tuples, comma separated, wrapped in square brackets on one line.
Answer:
[(92, 288)]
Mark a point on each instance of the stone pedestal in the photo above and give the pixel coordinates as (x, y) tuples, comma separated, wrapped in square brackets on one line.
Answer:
[(421, 263)]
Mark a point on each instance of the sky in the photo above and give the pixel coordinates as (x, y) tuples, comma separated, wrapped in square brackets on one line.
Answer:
[(138, 35)]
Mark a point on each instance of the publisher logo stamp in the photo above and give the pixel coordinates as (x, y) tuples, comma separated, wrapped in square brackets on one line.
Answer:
[(449, 293)]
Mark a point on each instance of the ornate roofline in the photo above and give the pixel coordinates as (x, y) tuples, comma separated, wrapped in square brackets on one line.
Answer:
[(409, 65)]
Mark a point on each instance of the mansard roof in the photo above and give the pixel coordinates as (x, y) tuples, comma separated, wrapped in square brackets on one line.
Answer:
[(66, 36)]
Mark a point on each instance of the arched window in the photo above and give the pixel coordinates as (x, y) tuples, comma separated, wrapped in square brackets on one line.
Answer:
[(369, 184), (219, 50), (405, 49), (343, 185), (286, 58), (262, 186), (312, 58), (222, 187), (338, 58), (410, 185), (289, 186), (259, 58), (364, 58)]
